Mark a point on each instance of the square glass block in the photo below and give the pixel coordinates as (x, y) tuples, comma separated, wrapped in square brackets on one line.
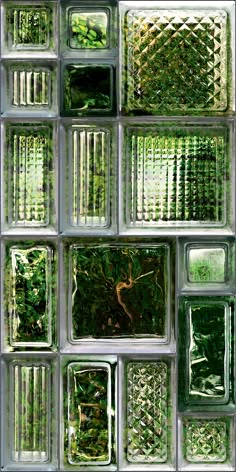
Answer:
[(88, 89), (29, 29), (89, 28), (29, 179), (118, 291), (30, 295), (29, 87), (148, 414), (176, 177), (175, 59), (206, 353), (89, 411), (89, 174)]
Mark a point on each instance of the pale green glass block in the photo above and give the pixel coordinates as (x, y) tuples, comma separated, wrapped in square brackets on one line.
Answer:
[(147, 412), (206, 264), (205, 440), (88, 29)]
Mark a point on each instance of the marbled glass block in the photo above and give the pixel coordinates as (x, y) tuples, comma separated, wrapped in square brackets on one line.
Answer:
[(30, 398), (89, 413), (88, 29), (175, 59), (206, 440), (206, 264), (28, 291), (175, 176), (118, 291), (147, 412)]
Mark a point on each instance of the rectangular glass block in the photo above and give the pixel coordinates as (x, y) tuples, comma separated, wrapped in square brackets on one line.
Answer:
[(174, 59), (147, 412), (28, 292), (88, 28), (30, 411), (89, 413), (29, 178), (175, 177), (118, 291)]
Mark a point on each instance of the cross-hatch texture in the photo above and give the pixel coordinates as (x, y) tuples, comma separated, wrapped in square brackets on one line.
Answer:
[(205, 440)]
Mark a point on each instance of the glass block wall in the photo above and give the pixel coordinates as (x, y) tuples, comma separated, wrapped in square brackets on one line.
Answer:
[(117, 235)]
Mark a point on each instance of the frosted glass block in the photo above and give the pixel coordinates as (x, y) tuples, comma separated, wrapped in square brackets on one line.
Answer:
[(207, 264)]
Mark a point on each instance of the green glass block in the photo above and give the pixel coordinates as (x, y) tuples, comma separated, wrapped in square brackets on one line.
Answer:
[(206, 440), (88, 89), (118, 291), (175, 60), (147, 412), (29, 27), (206, 264), (89, 29), (89, 413)]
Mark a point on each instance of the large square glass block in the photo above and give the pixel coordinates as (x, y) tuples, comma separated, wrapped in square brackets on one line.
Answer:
[(30, 295), (175, 59), (119, 291), (176, 177), (29, 29), (29, 88), (88, 28), (29, 180), (206, 353)]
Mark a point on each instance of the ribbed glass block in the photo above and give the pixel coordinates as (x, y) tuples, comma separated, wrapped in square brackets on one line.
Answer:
[(118, 291), (89, 180), (175, 59), (89, 29), (147, 412), (206, 264), (28, 289), (28, 163), (29, 27), (31, 88), (30, 390), (175, 177), (205, 440), (89, 413)]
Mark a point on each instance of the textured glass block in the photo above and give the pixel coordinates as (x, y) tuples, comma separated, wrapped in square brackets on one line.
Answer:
[(175, 59), (29, 412), (206, 440), (147, 412), (175, 177), (88, 89), (89, 413), (206, 264), (28, 291), (29, 177), (88, 29), (118, 291)]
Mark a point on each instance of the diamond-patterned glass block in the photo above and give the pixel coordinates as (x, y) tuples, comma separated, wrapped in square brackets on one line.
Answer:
[(147, 412), (175, 60), (206, 440)]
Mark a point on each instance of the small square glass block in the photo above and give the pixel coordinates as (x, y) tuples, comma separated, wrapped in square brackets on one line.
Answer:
[(89, 28), (206, 443), (29, 29), (29, 87)]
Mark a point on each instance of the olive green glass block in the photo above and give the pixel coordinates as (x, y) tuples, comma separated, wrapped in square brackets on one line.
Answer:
[(29, 411), (28, 289), (88, 29), (175, 176), (206, 264), (147, 412), (175, 60), (89, 413), (88, 89), (29, 175), (206, 440), (118, 291)]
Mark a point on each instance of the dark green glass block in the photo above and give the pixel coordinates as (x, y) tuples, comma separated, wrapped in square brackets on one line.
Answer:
[(88, 89), (205, 353), (206, 264), (88, 29), (117, 291), (89, 413)]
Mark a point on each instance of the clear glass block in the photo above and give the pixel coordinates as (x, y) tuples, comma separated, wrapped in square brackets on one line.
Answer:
[(29, 185), (88, 29), (29, 88), (175, 177), (205, 353), (207, 264), (175, 59)]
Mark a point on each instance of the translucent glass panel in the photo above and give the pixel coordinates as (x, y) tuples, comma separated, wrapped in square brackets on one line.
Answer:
[(88, 28)]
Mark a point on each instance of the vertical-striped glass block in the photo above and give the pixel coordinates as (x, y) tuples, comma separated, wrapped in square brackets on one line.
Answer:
[(147, 412), (28, 285), (28, 175), (206, 440), (30, 86), (89, 176), (30, 391), (29, 27), (175, 177), (89, 413)]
